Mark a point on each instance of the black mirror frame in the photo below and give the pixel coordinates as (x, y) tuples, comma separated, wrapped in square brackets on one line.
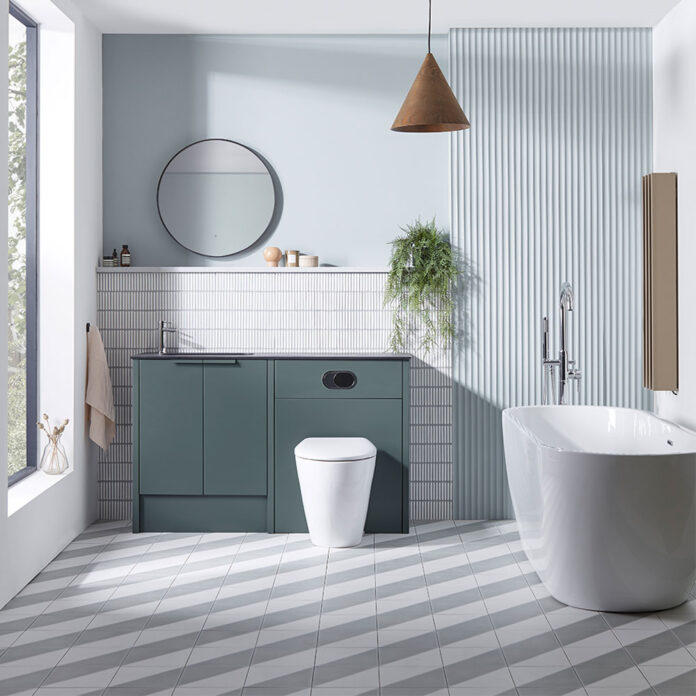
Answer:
[(277, 198)]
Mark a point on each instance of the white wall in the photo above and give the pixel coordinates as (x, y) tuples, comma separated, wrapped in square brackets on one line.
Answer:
[(35, 532), (674, 107)]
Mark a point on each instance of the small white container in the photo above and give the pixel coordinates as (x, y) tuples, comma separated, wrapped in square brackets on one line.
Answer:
[(335, 476), (309, 261)]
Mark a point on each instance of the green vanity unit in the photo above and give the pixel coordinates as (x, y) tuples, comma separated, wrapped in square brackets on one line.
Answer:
[(214, 436)]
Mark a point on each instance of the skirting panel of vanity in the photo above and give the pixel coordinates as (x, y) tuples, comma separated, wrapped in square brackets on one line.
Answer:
[(318, 310)]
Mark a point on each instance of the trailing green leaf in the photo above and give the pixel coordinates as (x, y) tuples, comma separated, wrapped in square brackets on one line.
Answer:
[(420, 285)]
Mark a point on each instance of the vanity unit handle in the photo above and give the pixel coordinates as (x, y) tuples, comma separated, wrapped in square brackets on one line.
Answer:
[(188, 362), (231, 363), (339, 379)]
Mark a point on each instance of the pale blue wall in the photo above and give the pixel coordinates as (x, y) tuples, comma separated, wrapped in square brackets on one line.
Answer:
[(546, 187), (317, 108)]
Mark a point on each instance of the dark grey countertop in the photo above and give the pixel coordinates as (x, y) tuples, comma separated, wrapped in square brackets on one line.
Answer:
[(270, 356)]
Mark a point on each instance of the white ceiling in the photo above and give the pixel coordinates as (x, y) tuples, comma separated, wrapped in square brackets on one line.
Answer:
[(360, 16)]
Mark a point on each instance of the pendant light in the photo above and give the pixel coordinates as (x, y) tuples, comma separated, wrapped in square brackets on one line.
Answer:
[(430, 106)]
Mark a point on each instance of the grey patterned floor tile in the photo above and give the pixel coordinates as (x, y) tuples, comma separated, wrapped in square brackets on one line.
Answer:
[(452, 609), (169, 653), (648, 655), (634, 621), (142, 677), (686, 633), (202, 675), (620, 691), (344, 691), (474, 673), (416, 691), (66, 691), (671, 680), (136, 691), (94, 656), (608, 676), (206, 691), (220, 657), (418, 640), (232, 640), (19, 679), (410, 655), (110, 637), (486, 691), (339, 667), (555, 691), (348, 631), (277, 691), (400, 677), (285, 654), (468, 657), (80, 675), (267, 677), (546, 678)]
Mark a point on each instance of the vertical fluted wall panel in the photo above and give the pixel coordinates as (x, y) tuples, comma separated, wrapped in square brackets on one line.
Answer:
[(546, 187), (265, 312)]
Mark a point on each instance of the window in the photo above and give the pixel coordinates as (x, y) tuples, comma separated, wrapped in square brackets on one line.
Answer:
[(22, 245)]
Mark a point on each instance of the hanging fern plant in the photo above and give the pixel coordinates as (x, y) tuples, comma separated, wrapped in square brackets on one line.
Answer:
[(422, 275)]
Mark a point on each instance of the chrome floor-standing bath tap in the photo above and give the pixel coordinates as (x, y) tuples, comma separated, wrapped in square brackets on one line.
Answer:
[(566, 366)]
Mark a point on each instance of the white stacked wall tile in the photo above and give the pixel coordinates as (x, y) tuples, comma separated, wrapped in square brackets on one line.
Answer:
[(269, 312)]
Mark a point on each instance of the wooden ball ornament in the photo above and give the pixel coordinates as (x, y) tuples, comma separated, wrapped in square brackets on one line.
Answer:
[(272, 255)]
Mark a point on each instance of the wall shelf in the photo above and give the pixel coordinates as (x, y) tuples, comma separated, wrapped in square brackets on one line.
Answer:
[(237, 269)]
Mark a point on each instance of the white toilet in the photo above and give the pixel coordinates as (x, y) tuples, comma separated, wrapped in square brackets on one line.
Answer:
[(335, 478)]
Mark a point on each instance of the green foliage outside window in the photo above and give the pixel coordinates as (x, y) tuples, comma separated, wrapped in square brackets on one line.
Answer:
[(16, 289)]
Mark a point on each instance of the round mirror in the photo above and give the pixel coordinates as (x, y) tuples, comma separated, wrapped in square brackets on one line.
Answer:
[(216, 197)]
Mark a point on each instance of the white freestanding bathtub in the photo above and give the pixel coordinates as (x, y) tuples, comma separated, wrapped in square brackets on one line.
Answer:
[(604, 500)]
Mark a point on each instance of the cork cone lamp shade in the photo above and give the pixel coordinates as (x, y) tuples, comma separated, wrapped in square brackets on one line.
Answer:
[(430, 105)]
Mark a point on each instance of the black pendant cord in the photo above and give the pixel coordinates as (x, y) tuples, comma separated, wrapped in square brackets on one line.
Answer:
[(430, 20)]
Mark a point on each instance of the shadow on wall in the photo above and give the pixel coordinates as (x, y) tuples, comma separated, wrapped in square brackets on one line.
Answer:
[(468, 286), (328, 63), (277, 209), (480, 479)]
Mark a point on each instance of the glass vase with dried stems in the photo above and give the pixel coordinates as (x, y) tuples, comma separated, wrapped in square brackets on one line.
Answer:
[(53, 460)]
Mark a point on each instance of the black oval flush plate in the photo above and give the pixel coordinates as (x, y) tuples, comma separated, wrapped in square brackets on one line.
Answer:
[(339, 379)]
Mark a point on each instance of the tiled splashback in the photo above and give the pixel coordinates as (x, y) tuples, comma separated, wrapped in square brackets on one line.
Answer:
[(252, 311)]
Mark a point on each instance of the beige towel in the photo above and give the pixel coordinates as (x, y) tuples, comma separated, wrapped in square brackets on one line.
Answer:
[(99, 394)]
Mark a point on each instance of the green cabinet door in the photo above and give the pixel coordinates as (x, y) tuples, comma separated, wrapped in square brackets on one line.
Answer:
[(379, 420), (171, 427), (235, 430)]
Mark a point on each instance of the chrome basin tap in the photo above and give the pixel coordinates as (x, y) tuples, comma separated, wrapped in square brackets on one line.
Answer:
[(566, 367), (165, 327)]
